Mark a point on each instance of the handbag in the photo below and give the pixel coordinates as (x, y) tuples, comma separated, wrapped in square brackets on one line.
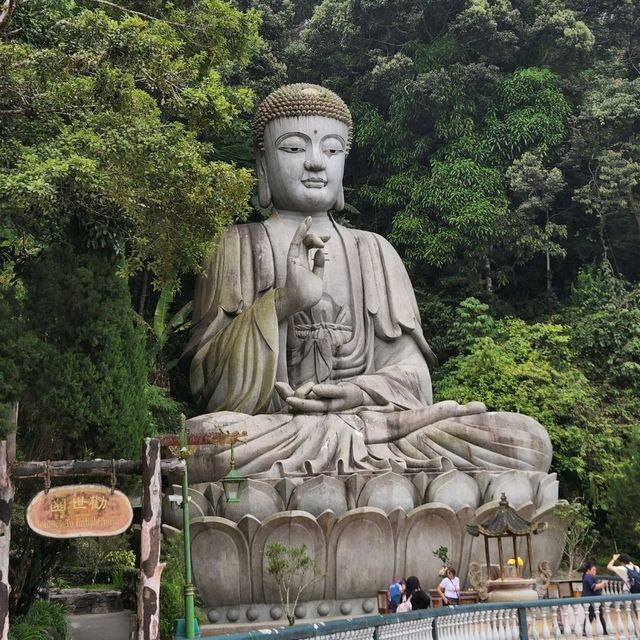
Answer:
[(405, 607)]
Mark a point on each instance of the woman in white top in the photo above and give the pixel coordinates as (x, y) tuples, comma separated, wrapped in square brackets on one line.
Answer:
[(449, 588)]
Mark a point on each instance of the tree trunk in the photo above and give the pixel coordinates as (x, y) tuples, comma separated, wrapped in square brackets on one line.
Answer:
[(6, 11), (150, 565), (144, 285), (548, 259), (11, 436), (487, 274), (6, 506)]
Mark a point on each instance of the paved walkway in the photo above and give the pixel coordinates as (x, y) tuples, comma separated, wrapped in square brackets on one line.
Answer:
[(100, 626)]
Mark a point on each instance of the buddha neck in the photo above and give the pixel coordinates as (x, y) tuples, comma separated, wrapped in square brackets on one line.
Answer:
[(322, 222), (299, 216)]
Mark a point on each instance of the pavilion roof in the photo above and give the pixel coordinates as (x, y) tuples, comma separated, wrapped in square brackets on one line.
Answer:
[(505, 522)]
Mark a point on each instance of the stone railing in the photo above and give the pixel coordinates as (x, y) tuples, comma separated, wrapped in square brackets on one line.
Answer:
[(563, 618)]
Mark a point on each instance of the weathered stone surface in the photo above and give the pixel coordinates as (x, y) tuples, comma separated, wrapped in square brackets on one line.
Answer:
[(80, 601), (249, 525), (318, 495), (425, 529), (259, 499), (455, 489), (220, 560), (359, 553), (360, 549), (294, 529), (388, 492), (516, 486)]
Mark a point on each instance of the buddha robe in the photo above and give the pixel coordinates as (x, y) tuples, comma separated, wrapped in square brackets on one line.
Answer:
[(375, 342)]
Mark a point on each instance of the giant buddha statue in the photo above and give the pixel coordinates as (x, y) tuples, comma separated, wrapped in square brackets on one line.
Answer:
[(307, 333)]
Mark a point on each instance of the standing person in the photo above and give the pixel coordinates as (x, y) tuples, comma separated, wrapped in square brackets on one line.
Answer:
[(449, 588), (419, 599), (622, 569), (593, 587), (396, 593)]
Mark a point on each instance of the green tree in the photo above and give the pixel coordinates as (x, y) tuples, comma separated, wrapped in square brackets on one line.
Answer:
[(83, 363), (104, 115), (293, 570), (530, 368), (535, 188)]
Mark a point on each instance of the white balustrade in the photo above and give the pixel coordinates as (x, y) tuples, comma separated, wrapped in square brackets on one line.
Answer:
[(557, 620)]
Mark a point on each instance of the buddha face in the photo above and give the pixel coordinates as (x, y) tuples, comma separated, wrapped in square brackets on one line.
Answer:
[(303, 162)]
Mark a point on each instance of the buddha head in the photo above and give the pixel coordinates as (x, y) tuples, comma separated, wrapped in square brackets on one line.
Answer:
[(302, 134)]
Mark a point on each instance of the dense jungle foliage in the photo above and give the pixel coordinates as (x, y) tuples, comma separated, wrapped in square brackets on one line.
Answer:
[(496, 144)]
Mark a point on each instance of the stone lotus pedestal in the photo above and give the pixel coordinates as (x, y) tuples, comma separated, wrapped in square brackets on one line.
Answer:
[(362, 529)]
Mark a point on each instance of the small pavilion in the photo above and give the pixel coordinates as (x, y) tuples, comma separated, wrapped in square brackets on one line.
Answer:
[(506, 523)]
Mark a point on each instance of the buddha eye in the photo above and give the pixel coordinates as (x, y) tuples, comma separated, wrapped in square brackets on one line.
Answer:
[(292, 144), (332, 147)]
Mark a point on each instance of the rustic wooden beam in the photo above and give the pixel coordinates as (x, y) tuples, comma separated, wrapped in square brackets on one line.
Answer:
[(150, 535), (62, 468), (6, 506)]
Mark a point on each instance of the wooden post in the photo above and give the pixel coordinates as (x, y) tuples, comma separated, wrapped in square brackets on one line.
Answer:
[(150, 565), (6, 506), (486, 551), (11, 436), (7, 491)]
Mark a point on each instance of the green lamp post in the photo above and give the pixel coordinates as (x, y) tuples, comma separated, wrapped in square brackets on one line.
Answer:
[(232, 483), (189, 589)]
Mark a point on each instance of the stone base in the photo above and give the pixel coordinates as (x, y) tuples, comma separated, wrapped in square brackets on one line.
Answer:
[(273, 614), (361, 530)]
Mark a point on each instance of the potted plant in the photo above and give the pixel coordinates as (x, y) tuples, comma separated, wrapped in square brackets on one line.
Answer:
[(442, 553)]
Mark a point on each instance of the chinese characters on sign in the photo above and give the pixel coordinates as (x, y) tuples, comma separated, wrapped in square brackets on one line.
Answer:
[(79, 511)]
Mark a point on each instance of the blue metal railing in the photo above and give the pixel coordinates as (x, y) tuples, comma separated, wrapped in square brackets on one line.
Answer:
[(377, 622)]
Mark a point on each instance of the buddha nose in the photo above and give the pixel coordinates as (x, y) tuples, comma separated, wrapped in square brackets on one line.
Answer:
[(315, 161)]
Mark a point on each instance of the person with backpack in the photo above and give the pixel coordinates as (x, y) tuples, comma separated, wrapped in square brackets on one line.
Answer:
[(395, 593), (418, 598), (629, 572)]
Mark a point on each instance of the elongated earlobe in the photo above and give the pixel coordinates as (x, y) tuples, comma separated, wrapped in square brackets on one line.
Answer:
[(339, 205), (264, 192)]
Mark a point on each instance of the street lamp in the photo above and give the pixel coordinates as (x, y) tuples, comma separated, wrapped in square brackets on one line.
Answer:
[(232, 483), (189, 589)]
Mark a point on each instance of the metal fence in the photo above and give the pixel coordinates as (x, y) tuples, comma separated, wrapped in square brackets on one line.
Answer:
[(611, 616)]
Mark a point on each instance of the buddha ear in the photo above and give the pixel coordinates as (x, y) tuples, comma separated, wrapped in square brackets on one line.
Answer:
[(339, 205), (264, 191)]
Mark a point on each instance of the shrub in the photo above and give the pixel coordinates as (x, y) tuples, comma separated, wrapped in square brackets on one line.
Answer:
[(42, 618)]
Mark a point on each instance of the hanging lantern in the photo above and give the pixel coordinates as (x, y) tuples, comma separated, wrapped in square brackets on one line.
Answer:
[(233, 483)]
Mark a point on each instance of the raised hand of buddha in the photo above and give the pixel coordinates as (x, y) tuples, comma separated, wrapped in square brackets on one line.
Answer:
[(303, 286)]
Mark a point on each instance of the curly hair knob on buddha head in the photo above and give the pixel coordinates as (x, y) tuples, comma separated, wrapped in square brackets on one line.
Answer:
[(299, 100)]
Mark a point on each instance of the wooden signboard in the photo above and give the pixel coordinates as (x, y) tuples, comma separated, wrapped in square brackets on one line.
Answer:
[(79, 511)]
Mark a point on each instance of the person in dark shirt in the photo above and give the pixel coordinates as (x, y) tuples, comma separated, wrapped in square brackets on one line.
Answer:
[(592, 587), (419, 599)]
